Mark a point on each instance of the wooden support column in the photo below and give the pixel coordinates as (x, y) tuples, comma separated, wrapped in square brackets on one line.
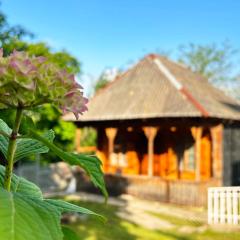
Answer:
[(150, 133), (198, 137), (216, 135), (111, 134), (78, 139)]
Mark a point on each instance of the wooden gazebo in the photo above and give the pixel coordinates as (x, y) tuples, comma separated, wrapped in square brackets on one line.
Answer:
[(165, 131)]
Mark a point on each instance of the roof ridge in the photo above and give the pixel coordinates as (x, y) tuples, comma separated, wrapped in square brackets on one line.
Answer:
[(178, 85)]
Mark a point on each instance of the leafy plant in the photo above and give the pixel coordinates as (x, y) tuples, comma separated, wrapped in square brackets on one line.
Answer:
[(26, 83)]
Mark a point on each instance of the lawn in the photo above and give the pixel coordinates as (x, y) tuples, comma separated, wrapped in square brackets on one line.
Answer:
[(90, 228)]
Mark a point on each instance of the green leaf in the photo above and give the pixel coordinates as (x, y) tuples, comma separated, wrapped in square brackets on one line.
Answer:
[(21, 185), (25, 146), (22, 218), (28, 146), (64, 207), (4, 127), (69, 234), (26, 124), (4, 140), (92, 165)]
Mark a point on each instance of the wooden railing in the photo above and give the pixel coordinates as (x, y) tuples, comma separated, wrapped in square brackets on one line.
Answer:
[(224, 205)]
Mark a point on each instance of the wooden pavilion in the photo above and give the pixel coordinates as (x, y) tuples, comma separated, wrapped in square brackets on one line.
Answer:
[(165, 132)]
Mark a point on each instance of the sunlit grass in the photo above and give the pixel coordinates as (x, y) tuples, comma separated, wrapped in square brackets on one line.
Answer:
[(177, 221), (90, 228)]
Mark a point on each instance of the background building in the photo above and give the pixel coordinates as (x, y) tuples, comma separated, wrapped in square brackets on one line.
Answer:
[(165, 133)]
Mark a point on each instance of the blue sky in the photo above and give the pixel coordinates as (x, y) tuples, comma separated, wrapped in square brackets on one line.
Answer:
[(113, 33)]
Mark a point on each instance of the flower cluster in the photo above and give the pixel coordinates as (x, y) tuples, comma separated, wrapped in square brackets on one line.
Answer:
[(28, 82)]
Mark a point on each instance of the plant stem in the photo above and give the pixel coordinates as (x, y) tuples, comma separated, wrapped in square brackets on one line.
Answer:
[(11, 149)]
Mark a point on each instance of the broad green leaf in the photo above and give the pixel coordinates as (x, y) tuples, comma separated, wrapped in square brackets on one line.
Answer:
[(28, 146), (8, 115), (22, 218), (64, 207), (26, 124), (69, 234), (25, 146), (92, 165), (4, 140), (21, 185)]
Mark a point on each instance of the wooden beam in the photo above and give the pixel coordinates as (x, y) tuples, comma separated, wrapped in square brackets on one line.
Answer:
[(150, 133), (111, 134)]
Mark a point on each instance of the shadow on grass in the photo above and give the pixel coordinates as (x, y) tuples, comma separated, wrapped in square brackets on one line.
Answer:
[(88, 227)]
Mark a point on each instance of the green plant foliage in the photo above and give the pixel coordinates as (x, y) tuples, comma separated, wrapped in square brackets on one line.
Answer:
[(211, 60), (24, 213), (66, 130), (9, 34), (91, 164), (69, 234), (24, 218), (88, 137), (49, 117), (21, 185), (25, 146), (64, 207), (29, 82), (62, 58), (28, 189)]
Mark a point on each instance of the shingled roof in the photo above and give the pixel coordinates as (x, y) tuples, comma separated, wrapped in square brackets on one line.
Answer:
[(159, 88)]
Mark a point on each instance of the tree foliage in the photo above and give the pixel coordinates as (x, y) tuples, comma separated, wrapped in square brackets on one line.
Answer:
[(13, 38), (211, 60), (9, 34)]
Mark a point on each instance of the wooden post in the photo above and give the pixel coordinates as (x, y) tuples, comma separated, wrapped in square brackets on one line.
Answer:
[(111, 134), (216, 135), (150, 133), (197, 135), (78, 139)]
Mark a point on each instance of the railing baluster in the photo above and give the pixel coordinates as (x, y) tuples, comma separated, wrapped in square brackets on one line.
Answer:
[(235, 207), (229, 206), (224, 205), (210, 208), (216, 206)]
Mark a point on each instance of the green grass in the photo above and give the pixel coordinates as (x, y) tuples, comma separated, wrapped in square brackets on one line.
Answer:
[(90, 228), (177, 221)]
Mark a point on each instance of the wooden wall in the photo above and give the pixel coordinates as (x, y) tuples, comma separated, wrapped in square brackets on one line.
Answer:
[(174, 150), (188, 153), (186, 161)]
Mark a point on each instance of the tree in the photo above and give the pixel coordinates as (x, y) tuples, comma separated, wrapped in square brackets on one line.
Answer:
[(60, 58), (105, 78), (11, 33), (101, 83), (211, 60), (12, 38)]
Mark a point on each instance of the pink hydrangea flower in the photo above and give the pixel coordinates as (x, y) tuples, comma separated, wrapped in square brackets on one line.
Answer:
[(32, 81)]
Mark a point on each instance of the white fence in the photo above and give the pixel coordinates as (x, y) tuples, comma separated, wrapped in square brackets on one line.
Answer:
[(224, 205)]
